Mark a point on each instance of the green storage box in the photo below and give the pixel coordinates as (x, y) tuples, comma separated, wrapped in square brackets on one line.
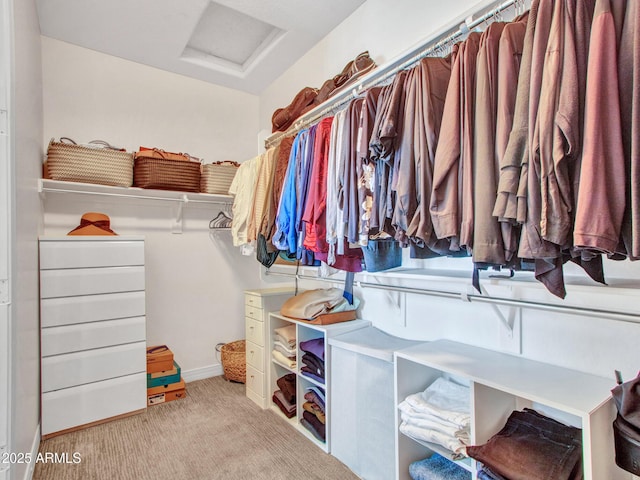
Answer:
[(164, 378)]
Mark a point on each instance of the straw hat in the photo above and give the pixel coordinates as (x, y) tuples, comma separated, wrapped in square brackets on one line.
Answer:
[(93, 223)]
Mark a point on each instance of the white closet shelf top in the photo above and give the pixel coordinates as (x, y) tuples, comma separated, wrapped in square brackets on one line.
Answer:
[(92, 238), (569, 390), (58, 186)]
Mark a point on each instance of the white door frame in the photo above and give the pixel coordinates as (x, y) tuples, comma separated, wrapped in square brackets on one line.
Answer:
[(6, 229)]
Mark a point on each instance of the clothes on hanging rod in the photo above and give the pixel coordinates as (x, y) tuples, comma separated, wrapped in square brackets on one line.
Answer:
[(616, 315), (382, 74)]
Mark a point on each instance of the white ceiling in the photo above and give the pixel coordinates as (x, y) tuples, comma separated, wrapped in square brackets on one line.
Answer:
[(242, 44)]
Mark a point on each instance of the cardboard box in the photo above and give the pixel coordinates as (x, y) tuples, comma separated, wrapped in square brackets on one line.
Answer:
[(166, 393), (159, 359), (165, 377)]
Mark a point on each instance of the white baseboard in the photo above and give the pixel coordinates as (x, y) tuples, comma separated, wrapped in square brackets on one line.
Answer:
[(35, 447), (202, 373)]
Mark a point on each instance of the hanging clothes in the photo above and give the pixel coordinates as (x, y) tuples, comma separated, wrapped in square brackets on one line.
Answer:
[(510, 55), (335, 214), (286, 236), (242, 187), (488, 245), (366, 168), (601, 198), (431, 80), (629, 82), (451, 204)]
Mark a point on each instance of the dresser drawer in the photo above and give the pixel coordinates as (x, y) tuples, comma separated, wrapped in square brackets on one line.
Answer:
[(84, 254), (255, 356), (90, 281), (254, 331), (71, 369), (86, 336), (91, 308), (255, 381), (84, 404), (253, 301), (252, 312)]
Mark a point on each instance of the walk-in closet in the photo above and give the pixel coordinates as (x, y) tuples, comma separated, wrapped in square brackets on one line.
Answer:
[(422, 262)]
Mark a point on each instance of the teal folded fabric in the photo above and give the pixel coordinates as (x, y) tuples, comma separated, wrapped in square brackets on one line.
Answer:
[(436, 467)]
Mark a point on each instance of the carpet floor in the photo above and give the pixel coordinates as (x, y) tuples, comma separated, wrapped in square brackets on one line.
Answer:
[(214, 433)]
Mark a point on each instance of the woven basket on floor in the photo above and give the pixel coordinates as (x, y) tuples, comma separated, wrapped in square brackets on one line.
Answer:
[(234, 361)]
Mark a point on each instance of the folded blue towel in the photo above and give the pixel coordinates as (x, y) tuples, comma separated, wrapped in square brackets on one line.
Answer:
[(436, 467)]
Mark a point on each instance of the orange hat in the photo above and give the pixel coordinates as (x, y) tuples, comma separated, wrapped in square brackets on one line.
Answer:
[(93, 223)]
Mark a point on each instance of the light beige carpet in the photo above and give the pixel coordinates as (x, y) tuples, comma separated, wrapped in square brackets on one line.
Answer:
[(214, 433)]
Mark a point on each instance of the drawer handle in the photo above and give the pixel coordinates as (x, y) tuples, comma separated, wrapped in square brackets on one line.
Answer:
[(251, 327)]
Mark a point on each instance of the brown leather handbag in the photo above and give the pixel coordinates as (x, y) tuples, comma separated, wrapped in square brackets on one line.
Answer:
[(283, 118)]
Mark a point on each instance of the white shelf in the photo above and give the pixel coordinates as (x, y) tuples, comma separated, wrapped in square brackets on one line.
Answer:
[(501, 383), (464, 462), (57, 186), (307, 331)]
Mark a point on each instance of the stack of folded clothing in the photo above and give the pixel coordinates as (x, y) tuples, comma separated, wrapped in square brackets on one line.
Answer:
[(313, 359), (531, 446), (313, 417), (439, 415), (285, 397), (436, 467), (284, 345)]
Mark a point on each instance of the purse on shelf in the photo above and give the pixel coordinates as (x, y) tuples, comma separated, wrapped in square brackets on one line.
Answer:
[(96, 162), (157, 169), (216, 177), (626, 426)]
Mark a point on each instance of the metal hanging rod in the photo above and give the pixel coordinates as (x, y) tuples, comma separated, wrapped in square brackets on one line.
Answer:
[(380, 75), (472, 297)]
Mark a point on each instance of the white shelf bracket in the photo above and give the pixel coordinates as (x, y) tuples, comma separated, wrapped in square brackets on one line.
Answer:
[(507, 322), (177, 224)]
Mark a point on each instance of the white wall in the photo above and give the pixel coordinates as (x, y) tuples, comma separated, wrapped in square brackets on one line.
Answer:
[(590, 344), (25, 332), (194, 282)]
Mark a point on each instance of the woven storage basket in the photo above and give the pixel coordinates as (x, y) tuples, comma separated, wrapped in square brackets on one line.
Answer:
[(217, 177), (149, 171), (76, 163), (232, 356)]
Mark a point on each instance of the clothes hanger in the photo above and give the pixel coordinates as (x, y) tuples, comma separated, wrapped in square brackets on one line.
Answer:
[(220, 221)]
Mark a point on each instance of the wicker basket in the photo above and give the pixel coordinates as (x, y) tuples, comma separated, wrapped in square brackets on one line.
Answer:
[(234, 361), (150, 171), (77, 163), (217, 177)]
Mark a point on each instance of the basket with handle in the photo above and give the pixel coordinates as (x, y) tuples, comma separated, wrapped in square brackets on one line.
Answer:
[(157, 169), (95, 162), (232, 356), (217, 177)]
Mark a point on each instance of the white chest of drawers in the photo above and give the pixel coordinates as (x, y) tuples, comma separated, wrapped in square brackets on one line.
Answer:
[(93, 334), (258, 304)]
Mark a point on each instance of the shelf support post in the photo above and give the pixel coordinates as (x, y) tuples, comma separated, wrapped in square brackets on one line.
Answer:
[(177, 224)]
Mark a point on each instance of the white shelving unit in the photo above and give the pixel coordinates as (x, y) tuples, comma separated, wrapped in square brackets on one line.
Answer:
[(501, 383), (181, 199), (306, 331)]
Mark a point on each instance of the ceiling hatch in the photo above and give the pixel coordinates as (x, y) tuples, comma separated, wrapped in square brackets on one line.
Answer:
[(226, 39)]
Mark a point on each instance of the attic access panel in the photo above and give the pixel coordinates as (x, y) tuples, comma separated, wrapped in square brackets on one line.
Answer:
[(229, 39)]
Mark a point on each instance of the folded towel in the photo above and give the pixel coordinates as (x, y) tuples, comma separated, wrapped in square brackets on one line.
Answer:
[(287, 384), (314, 364), (429, 421), (307, 372), (316, 410), (280, 358), (315, 398), (450, 443), (284, 347), (288, 333), (444, 399), (315, 346), (315, 424), (285, 407)]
